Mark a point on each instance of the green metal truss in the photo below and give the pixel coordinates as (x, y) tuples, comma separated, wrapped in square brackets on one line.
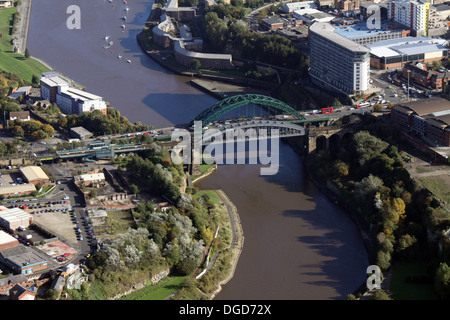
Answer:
[(215, 111)]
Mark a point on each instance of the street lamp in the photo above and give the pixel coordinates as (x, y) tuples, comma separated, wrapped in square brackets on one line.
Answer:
[(409, 71)]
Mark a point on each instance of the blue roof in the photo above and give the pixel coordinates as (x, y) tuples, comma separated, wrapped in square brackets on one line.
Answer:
[(361, 30)]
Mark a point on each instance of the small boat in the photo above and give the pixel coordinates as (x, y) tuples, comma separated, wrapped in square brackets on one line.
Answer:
[(119, 56), (129, 61), (124, 18), (122, 26), (106, 38), (110, 43), (126, 9)]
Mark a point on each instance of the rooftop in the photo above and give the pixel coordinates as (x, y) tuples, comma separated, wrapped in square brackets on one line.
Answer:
[(80, 94), (33, 173), (360, 30), (328, 31), (406, 46), (23, 256), (14, 214), (6, 238), (432, 106), (20, 188)]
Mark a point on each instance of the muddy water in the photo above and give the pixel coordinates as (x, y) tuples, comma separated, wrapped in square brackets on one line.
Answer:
[(141, 90), (298, 245)]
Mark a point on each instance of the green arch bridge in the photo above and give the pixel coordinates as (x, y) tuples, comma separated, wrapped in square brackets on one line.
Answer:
[(226, 105)]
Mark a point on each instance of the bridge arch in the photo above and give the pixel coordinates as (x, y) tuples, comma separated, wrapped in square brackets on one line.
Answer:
[(226, 105)]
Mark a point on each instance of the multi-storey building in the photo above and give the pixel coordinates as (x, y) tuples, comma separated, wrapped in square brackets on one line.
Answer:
[(68, 99), (337, 62), (419, 15), (411, 13)]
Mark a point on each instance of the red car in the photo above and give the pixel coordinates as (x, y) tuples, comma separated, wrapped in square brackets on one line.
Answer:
[(66, 254)]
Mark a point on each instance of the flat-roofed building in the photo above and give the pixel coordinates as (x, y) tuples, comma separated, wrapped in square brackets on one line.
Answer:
[(75, 101), (14, 218), (7, 241), (361, 34), (89, 179), (207, 60), (337, 62), (50, 84), (80, 133), (396, 53), (34, 175), (290, 7), (309, 16), (24, 260)]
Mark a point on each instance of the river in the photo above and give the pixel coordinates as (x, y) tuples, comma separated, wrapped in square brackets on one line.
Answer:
[(141, 90), (298, 245)]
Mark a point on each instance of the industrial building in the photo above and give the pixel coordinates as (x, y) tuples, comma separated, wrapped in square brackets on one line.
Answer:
[(395, 53), (17, 190), (7, 241), (34, 175), (336, 62), (15, 218), (23, 260), (427, 118)]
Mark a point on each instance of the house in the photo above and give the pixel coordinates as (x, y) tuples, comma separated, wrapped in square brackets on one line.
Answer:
[(34, 175), (21, 115), (19, 292)]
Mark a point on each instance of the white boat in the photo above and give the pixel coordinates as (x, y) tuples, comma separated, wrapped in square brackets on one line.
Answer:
[(106, 38), (119, 56), (122, 26), (110, 43), (124, 18), (129, 61), (126, 9)]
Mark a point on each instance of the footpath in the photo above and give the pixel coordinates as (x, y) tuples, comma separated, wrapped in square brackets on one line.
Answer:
[(21, 34)]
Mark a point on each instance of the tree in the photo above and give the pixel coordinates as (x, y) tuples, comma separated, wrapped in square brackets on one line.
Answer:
[(367, 146), (27, 53), (442, 281), (380, 295), (366, 189), (195, 64)]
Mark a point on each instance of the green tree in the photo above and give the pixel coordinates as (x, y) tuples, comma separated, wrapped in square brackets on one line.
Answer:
[(195, 64), (27, 53), (442, 281)]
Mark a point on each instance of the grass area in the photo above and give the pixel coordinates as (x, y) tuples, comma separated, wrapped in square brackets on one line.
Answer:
[(214, 197), (437, 186), (160, 291), (13, 62), (116, 223), (402, 290)]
